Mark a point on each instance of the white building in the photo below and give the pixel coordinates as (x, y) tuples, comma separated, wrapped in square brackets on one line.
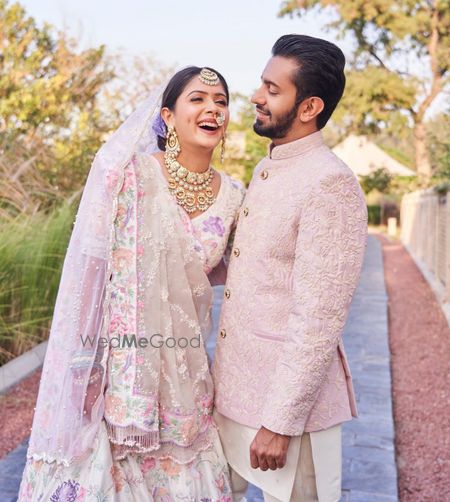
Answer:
[(363, 157)]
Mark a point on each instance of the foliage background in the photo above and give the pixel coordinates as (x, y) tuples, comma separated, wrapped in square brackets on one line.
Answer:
[(59, 102)]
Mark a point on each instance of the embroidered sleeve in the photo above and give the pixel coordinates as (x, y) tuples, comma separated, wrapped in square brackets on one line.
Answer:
[(329, 254)]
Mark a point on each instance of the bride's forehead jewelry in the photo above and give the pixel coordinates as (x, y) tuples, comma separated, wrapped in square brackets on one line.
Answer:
[(208, 77), (220, 119)]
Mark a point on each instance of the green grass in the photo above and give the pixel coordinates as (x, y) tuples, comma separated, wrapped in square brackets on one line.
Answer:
[(32, 250)]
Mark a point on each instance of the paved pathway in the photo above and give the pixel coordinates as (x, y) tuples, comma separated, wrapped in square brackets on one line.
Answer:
[(11, 468), (369, 471)]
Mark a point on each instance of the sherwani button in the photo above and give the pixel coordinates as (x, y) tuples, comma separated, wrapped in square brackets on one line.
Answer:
[(246, 211), (264, 174), (223, 333), (236, 252), (227, 294)]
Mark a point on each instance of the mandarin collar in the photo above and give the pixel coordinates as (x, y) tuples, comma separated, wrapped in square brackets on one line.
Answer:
[(297, 147)]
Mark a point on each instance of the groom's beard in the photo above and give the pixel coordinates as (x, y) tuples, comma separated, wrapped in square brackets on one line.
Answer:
[(278, 128)]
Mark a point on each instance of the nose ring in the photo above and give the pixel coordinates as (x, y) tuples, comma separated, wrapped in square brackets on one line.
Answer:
[(220, 118)]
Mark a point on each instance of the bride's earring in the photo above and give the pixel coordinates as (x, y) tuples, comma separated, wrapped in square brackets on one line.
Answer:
[(222, 148), (172, 144)]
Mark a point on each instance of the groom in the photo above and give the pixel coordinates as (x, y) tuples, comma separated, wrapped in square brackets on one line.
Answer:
[(283, 386)]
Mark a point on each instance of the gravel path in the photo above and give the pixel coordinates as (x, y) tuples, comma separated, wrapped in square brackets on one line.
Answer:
[(420, 348), (16, 412), (369, 468)]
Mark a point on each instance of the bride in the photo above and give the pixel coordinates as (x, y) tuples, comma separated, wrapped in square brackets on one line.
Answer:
[(124, 411)]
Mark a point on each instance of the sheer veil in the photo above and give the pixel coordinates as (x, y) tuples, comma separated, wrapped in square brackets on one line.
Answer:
[(126, 227)]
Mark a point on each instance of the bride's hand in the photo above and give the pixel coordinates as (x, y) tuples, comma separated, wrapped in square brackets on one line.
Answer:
[(92, 392)]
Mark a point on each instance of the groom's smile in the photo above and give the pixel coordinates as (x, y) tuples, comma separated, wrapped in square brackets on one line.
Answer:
[(262, 113), (275, 99)]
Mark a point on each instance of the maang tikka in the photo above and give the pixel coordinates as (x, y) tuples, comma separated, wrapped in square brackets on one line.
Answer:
[(208, 77)]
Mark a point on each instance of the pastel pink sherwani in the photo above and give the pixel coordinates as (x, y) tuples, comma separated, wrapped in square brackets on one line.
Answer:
[(295, 264)]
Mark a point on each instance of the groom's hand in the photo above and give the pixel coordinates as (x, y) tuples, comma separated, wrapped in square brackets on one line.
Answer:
[(268, 450)]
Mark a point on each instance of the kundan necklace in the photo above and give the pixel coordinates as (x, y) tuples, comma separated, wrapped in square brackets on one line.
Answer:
[(192, 191)]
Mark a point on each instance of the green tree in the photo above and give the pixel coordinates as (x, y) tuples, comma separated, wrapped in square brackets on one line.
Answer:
[(256, 147), (49, 97), (438, 134), (379, 180), (392, 40)]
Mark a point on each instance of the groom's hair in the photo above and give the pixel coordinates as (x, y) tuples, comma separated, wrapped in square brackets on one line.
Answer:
[(320, 70)]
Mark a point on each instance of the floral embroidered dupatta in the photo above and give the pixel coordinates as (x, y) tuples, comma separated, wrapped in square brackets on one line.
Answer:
[(133, 305)]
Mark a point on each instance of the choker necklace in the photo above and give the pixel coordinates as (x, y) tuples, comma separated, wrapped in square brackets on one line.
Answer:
[(192, 191)]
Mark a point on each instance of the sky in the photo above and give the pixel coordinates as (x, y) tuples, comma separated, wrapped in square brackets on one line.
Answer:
[(233, 36)]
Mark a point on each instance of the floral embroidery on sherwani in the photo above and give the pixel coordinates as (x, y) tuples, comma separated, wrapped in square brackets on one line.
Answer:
[(299, 246)]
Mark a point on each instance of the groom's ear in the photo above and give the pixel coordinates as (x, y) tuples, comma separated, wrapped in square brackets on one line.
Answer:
[(310, 108), (167, 116)]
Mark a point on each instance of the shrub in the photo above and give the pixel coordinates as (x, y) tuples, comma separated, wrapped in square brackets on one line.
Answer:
[(32, 250), (374, 214)]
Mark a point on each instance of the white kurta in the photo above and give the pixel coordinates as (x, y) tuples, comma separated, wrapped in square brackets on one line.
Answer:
[(326, 459)]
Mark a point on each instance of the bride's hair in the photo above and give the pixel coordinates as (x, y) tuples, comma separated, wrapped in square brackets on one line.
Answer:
[(172, 92)]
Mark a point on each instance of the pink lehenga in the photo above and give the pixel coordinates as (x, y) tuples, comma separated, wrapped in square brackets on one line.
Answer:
[(124, 411)]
